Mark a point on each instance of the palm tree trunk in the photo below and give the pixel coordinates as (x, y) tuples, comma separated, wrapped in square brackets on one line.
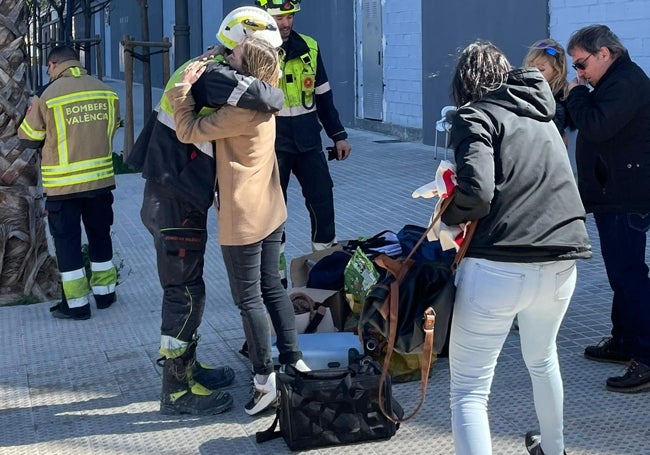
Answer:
[(26, 267)]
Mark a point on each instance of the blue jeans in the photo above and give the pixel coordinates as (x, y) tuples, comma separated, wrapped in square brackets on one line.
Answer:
[(489, 295), (256, 288), (623, 244)]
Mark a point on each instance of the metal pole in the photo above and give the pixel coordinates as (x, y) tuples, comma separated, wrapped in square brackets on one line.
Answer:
[(181, 33), (128, 80)]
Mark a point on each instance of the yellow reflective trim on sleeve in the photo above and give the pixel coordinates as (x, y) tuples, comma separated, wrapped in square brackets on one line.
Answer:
[(37, 135)]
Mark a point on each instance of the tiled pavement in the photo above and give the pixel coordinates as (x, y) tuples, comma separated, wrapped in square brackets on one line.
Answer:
[(92, 387)]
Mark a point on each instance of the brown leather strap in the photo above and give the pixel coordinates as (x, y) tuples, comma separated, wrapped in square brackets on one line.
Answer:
[(390, 310)]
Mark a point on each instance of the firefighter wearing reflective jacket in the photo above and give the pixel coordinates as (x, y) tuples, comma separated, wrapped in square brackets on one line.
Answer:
[(74, 120), (308, 103)]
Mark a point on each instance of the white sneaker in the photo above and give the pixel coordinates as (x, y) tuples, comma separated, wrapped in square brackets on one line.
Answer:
[(264, 395), (300, 365)]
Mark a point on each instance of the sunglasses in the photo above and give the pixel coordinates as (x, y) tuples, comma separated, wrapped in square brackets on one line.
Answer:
[(580, 66), (548, 48)]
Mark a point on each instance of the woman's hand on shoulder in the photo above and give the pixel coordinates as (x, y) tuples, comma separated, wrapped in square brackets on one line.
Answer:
[(193, 72)]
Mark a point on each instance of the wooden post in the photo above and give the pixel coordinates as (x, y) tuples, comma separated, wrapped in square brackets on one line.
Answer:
[(128, 80), (166, 46), (129, 46)]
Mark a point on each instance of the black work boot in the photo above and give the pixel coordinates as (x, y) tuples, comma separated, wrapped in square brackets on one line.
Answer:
[(105, 301), (62, 311), (208, 376), (182, 395)]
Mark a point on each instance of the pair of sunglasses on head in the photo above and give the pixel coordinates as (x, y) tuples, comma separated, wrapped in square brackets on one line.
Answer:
[(550, 50)]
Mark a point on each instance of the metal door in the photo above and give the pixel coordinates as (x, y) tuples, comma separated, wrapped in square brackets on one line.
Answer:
[(373, 60)]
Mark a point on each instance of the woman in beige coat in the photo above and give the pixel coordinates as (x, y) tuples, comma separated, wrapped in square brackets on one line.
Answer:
[(251, 212)]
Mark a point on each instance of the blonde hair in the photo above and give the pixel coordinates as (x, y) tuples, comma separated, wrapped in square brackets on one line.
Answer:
[(555, 54), (260, 60)]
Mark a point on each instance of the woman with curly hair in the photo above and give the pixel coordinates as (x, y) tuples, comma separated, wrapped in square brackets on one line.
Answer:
[(515, 180)]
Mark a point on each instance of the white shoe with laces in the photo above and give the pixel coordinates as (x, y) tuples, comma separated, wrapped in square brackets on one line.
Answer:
[(264, 395)]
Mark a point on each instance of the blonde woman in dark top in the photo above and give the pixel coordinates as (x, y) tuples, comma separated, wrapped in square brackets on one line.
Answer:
[(549, 57)]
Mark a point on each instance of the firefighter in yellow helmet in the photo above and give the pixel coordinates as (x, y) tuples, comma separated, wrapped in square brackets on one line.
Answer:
[(308, 104), (74, 119)]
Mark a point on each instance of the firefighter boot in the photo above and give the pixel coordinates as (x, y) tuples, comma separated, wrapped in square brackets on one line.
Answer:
[(208, 376), (182, 395)]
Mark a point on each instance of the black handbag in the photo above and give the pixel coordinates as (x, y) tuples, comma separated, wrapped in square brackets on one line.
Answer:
[(333, 406), (412, 306)]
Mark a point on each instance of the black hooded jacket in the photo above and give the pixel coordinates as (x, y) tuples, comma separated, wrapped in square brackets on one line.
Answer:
[(515, 178)]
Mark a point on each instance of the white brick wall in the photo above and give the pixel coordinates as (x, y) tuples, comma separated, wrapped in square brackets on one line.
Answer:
[(628, 19), (403, 63)]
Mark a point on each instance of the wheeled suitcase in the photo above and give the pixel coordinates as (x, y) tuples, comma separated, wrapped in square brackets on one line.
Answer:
[(324, 350)]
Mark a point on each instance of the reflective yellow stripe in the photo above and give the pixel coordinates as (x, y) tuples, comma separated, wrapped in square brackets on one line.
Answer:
[(59, 124), (32, 133), (75, 71), (82, 96), (78, 178), (78, 166)]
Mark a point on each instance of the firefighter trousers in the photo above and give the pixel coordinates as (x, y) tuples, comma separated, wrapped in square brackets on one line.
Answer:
[(179, 233)]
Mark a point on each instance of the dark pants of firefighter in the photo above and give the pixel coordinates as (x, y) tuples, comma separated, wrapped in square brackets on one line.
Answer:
[(313, 174), (64, 216), (256, 288), (623, 239), (179, 233)]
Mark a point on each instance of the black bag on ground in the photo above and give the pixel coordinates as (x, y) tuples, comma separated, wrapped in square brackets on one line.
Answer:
[(423, 285), (411, 307), (333, 406)]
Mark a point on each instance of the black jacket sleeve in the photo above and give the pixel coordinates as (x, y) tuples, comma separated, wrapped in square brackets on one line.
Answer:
[(136, 157), (475, 171), (327, 113), (220, 85), (616, 103)]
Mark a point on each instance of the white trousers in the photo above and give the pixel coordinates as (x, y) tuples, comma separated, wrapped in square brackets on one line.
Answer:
[(489, 295)]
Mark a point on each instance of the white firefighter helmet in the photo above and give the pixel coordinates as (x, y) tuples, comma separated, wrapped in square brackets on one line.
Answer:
[(248, 21)]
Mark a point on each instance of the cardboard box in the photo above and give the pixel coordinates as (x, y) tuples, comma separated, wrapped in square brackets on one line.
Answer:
[(300, 266), (333, 299)]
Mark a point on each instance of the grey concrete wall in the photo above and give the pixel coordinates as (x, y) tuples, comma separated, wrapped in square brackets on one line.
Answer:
[(510, 24)]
